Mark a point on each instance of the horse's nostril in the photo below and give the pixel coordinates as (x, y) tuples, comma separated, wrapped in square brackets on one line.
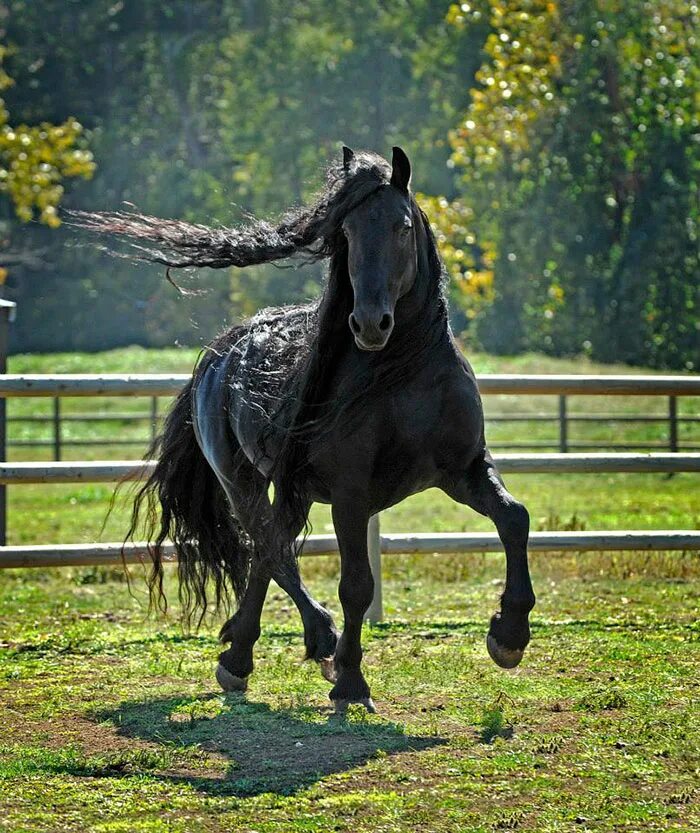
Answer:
[(385, 323), (354, 326)]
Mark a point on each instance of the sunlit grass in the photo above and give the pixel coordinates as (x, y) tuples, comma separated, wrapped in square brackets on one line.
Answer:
[(112, 722)]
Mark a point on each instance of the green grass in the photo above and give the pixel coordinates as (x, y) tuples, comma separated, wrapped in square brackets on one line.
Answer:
[(111, 721)]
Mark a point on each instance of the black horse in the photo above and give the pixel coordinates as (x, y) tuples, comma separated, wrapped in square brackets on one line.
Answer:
[(358, 400)]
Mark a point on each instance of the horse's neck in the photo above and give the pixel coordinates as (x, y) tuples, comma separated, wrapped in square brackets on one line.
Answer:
[(422, 310), (421, 306)]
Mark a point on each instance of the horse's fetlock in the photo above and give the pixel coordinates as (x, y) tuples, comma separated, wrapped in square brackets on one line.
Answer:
[(511, 632), (321, 637), (238, 663), (351, 686), (235, 628), (519, 605)]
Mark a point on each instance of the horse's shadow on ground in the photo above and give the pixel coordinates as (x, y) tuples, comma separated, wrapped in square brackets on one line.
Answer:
[(232, 746)]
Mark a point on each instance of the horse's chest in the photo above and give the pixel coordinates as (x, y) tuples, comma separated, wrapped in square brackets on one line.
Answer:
[(403, 444), (428, 429), (413, 423)]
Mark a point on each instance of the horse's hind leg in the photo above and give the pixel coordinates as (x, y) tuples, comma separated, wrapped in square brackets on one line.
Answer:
[(272, 557), (243, 487), (272, 554), (482, 488), (242, 631)]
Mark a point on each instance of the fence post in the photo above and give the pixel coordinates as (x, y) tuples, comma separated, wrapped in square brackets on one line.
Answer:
[(563, 426), (374, 548), (8, 310), (154, 418), (673, 423), (56, 428)]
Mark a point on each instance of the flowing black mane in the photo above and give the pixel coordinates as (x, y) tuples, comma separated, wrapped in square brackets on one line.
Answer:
[(311, 231), (315, 333)]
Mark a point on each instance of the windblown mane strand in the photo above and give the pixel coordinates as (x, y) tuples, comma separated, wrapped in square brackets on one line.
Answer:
[(308, 231)]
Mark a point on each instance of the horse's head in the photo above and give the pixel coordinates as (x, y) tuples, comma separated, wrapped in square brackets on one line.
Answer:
[(382, 254)]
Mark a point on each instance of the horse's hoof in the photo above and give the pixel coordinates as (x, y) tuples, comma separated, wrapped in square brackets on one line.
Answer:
[(328, 671), (229, 681), (341, 706), (504, 657)]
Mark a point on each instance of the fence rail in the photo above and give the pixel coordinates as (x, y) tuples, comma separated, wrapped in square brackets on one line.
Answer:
[(115, 470), (161, 384), (88, 555), (156, 385)]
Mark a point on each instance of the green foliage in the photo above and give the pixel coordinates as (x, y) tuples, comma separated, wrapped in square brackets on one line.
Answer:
[(214, 112), (579, 156), (470, 266), (562, 136), (34, 160)]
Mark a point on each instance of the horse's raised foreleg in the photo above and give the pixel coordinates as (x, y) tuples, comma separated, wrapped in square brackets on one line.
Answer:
[(482, 488), (355, 592)]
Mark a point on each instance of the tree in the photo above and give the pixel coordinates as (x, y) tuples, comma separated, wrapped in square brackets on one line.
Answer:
[(212, 110), (35, 160), (579, 163)]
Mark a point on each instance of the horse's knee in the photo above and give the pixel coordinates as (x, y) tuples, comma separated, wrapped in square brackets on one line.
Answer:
[(356, 590), (513, 523)]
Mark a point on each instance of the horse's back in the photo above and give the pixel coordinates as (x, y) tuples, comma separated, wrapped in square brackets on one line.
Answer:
[(240, 386)]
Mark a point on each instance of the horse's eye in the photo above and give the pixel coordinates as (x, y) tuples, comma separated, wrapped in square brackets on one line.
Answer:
[(404, 229)]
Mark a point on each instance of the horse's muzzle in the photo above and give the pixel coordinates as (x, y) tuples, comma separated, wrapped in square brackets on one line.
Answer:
[(371, 332)]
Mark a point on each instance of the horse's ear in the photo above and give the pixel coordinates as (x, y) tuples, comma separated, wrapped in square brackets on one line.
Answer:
[(400, 169), (348, 156)]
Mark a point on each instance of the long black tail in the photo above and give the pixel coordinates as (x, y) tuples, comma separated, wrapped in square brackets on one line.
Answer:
[(183, 502)]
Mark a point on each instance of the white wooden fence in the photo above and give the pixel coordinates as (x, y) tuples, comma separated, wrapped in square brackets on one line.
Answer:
[(559, 385), (57, 420)]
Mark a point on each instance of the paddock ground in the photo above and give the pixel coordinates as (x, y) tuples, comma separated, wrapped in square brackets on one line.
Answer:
[(111, 721)]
